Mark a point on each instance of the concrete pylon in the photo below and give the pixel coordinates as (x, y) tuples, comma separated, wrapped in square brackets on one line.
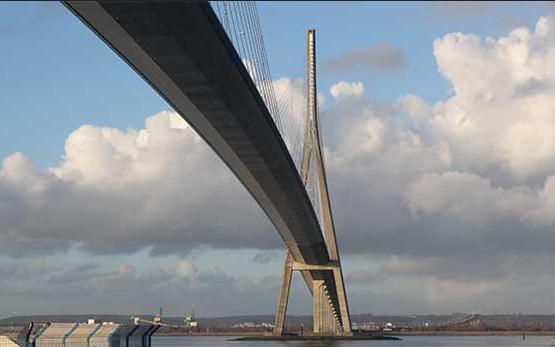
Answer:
[(327, 319), (284, 294)]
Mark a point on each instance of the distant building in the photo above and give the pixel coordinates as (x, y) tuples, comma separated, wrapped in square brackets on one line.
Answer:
[(388, 326), (190, 321), (244, 325), (251, 325), (368, 326), (158, 317)]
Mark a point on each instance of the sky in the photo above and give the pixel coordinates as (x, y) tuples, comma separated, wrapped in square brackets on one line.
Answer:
[(439, 131)]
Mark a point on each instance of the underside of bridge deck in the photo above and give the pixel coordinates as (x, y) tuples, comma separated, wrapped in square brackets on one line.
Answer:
[(182, 51)]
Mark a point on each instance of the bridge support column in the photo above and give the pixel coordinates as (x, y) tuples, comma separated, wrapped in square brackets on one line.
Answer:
[(326, 313), (330, 322), (318, 306), (344, 309), (284, 294)]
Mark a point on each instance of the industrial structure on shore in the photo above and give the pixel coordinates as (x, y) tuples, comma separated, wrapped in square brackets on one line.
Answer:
[(90, 334)]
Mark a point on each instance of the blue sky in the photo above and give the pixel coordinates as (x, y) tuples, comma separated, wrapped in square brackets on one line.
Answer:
[(343, 27), (56, 75)]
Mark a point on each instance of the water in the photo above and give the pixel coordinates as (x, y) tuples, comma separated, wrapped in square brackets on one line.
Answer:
[(408, 341)]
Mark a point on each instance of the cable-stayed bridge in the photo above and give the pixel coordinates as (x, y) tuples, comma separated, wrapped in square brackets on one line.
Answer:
[(209, 62)]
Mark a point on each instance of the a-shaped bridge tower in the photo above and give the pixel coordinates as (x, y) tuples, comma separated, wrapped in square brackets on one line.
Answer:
[(326, 318)]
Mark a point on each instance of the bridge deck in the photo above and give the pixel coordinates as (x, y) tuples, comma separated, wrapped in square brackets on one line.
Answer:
[(182, 51)]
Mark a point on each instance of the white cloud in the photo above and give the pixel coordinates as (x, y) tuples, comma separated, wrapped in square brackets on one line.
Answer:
[(457, 175), (121, 191), (185, 269), (470, 177), (483, 156), (344, 89), (501, 111)]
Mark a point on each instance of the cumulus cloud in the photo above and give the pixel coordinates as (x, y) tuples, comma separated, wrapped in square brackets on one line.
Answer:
[(121, 191), (344, 89), (441, 193), (469, 177), (468, 174), (499, 100), (456, 196)]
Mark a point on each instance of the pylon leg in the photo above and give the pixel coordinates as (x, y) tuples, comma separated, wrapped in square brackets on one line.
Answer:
[(317, 314), (284, 294), (343, 308), (326, 308)]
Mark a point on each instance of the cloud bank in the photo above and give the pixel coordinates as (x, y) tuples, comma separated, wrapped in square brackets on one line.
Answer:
[(433, 202), (121, 191)]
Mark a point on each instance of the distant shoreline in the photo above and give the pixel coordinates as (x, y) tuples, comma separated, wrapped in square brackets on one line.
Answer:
[(217, 333), (474, 333), (253, 336), (397, 333)]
